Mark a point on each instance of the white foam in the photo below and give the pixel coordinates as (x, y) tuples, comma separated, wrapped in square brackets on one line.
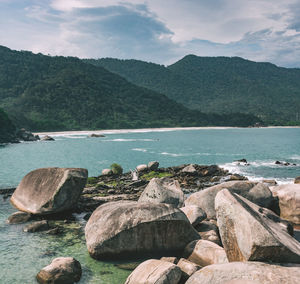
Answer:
[(139, 149)]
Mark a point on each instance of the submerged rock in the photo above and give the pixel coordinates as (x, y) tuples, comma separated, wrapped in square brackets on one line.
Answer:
[(37, 226), (245, 273), (131, 229), (257, 193), (62, 270), (19, 217), (49, 190), (163, 191), (249, 234), (94, 135), (155, 271)]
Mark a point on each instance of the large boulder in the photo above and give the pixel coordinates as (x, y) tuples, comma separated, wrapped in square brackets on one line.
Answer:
[(245, 273), (66, 270), (204, 253), (209, 231), (131, 229), (248, 233), (194, 213), (289, 201), (187, 268), (163, 190), (257, 193), (49, 190), (155, 271)]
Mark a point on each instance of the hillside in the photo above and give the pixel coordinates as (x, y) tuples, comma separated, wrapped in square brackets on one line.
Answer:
[(7, 128), (46, 93), (220, 84)]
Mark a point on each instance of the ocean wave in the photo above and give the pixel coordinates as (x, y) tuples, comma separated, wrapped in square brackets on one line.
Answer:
[(172, 154), (139, 149), (295, 157), (128, 140)]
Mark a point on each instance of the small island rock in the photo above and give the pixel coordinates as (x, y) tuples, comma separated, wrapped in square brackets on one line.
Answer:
[(49, 190), (66, 270), (47, 138)]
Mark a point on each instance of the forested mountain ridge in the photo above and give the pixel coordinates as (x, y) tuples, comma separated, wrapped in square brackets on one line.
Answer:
[(7, 128), (220, 84), (45, 93)]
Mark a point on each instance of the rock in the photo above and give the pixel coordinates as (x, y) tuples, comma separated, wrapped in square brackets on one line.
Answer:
[(190, 169), (248, 234), (155, 271), (49, 190), (19, 217), (289, 201), (297, 180), (163, 190), (270, 182), (107, 172), (204, 253), (25, 135), (205, 199), (142, 168), (245, 272), (209, 232), (153, 166), (37, 226), (132, 229), (187, 268), (237, 177), (285, 163), (242, 161), (94, 135), (171, 259), (47, 138), (194, 213), (62, 270)]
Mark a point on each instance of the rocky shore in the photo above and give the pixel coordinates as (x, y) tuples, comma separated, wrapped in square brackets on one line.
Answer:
[(184, 224)]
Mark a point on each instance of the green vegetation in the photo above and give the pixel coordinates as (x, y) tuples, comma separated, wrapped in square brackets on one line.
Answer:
[(154, 174), (46, 93), (116, 169), (221, 85), (91, 181), (7, 128)]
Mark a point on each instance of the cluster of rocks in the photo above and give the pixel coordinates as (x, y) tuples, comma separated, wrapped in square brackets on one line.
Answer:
[(231, 231)]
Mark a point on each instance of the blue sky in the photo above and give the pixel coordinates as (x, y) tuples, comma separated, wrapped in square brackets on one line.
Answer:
[(160, 31)]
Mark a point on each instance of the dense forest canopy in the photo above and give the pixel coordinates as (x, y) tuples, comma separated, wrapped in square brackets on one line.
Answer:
[(7, 128), (220, 85), (45, 93)]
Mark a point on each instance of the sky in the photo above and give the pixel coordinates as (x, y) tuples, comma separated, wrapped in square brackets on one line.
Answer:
[(159, 31)]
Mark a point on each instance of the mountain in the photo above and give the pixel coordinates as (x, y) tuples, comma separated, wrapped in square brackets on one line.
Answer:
[(7, 128), (45, 93), (219, 84)]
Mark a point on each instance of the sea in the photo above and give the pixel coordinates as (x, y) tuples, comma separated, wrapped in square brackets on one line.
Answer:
[(22, 255)]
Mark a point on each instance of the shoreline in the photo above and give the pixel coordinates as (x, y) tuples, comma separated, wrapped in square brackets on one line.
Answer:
[(145, 130)]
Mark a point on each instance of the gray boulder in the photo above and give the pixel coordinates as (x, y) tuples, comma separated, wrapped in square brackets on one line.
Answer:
[(194, 213), (153, 166), (49, 190), (131, 229), (189, 169), (62, 270), (163, 190), (248, 233), (204, 253), (289, 201), (155, 271), (245, 273), (257, 193)]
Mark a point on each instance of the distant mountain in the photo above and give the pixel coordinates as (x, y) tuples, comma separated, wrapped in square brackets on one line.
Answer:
[(44, 93), (219, 84), (7, 128)]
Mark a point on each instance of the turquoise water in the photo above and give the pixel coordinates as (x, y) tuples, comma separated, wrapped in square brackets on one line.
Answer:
[(23, 255)]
